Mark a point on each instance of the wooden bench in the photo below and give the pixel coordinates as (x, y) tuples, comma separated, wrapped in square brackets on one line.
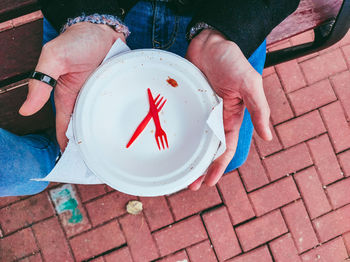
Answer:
[(21, 37)]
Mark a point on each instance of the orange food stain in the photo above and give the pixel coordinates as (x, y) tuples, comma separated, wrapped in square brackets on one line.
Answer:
[(172, 82)]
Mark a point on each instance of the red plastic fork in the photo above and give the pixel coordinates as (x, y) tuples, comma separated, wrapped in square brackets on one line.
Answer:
[(144, 122), (160, 134)]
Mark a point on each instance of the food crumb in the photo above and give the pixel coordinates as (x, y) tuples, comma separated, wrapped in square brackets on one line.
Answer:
[(134, 207), (79, 142), (172, 82)]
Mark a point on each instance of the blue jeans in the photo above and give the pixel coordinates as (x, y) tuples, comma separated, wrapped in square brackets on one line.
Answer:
[(152, 25)]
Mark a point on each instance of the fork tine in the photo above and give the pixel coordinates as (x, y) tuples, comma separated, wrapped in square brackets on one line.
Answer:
[(158, 102), (157, 142), (166, 141), (161, 106), (161, 139), (157, 97)]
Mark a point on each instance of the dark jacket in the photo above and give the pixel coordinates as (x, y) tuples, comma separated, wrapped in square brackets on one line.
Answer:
[(245, 22)]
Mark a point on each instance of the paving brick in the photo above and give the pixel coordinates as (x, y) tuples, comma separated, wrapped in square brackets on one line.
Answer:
[(344, 160), (221, 234), (341, 85), (139, 238), (235, 198), (346, 238), (283, 249), (345, 40), (261, 230), (332, 251), (267, 147), (300, 226), (291, 76), (33, 258), (180, 256), (108, 207), (339, 193), (312, 97), (346, 50), (265, 200), (280, 108), (51, 240), (201, 252), (180, 235), (319, 67), (307, 57), (252, 171), (268, 71), (25, 212), (325, 160), (333, 224), (312, 192), (302, 38), (70, 210), (157, 212), (97, 241), (288, 161), (4, 201), (300, 129), (187, 202), (122, 254), (98, 259), (279, 45), (17, 245), (261, 254), (88, 192), (338, 128)]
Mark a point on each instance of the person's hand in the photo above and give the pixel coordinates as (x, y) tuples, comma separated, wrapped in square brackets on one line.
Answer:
[(238, 84), (70, 58)]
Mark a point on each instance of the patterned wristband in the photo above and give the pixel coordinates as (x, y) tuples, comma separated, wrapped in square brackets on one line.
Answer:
[(110, 20), (197, 28)]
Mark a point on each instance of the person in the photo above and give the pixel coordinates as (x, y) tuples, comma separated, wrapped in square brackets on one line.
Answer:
[(225, 39)]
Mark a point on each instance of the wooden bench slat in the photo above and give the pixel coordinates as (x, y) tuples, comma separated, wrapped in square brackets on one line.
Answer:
[(13, 8), (309, 14), (11, 120), (20, 49)]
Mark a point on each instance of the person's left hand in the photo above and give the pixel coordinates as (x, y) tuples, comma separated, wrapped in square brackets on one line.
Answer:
[(238, 84)]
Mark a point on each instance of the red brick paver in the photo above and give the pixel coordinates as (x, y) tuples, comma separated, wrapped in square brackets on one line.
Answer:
[(332, 251), (202, 252), (283, 249), (261, 230), (300, 226), (180, 235), (290, 201), (235, 198), (221, 233)]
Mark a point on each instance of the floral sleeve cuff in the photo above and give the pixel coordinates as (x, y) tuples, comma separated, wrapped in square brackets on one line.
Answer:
[(197, 28), (110, 20)]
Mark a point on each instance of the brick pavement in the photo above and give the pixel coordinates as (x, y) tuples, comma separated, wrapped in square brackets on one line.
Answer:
[(290, 202)]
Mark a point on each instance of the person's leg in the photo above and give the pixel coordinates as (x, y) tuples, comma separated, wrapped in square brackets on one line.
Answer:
[(26, 157), (23, 158), (170, 33)]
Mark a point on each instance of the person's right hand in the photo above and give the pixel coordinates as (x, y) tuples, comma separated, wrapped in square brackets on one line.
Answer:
[(70, 58)]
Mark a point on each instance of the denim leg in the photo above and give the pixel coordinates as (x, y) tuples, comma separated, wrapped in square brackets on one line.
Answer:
[(23, 158)]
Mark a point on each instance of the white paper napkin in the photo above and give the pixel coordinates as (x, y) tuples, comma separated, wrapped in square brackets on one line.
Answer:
[(71, 167)]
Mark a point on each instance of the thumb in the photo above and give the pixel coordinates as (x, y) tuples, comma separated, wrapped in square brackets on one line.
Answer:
[(39, 92)]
